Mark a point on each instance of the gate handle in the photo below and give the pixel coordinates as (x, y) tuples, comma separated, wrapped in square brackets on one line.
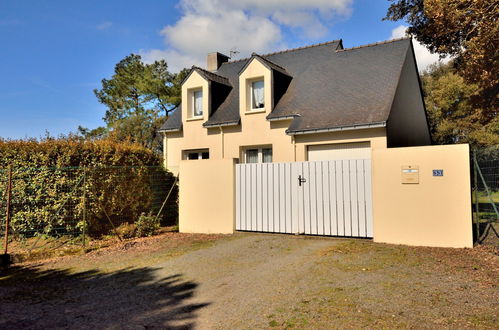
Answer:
[(301, 180)]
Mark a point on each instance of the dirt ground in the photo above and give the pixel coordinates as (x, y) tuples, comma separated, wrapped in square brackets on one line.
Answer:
[(246, 281)]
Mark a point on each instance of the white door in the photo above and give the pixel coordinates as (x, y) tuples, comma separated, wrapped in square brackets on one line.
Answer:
[(339, 151)]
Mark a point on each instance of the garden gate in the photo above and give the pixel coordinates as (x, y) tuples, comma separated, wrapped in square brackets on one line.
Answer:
[(330, 197)]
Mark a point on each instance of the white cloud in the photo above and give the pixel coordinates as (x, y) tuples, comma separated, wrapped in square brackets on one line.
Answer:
[(104, 26), (245, 25), (423, 56), (175, 60)]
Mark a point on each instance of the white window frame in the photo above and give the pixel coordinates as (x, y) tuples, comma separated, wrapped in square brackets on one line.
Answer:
[(250, 90), (260, 153), (192, 97), (200, 152)]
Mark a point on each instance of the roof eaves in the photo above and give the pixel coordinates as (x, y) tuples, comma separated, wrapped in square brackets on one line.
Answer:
[(335, 129)]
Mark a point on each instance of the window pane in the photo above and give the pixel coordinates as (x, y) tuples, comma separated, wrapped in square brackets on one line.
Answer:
[(252, 156), (257, 98), (267, 155), (205, 155), (198, 103), (193, 155)]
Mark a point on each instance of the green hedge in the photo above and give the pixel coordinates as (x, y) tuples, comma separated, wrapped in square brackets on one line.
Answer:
[(57, 183), (74, 152)]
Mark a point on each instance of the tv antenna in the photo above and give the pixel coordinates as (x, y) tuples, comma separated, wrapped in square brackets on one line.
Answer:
[(233, 52)]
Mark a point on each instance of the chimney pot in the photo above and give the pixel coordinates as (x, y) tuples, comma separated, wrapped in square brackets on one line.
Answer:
[(215, 60)]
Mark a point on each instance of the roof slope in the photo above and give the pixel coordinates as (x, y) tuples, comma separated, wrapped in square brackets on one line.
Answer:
[(331, 87)]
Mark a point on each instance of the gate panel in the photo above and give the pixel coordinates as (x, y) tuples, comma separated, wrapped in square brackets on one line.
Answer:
[(368, 203), (361, 204), (353, 197), (295, 195), (340, 204), (307, 223), (326, 199), (333, 199), (317, 198)]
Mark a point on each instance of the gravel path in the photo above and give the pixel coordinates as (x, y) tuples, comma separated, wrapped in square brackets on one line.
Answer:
[(256, 281)]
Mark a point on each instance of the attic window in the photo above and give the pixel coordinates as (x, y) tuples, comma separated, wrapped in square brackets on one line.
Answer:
[(257, 95), (196, 104)]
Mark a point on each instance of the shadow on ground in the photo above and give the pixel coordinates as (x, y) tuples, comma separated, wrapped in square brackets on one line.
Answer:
[(31, 298)]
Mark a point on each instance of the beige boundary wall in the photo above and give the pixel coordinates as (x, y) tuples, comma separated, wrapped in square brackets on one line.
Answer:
[(207, 196), (436, 211)]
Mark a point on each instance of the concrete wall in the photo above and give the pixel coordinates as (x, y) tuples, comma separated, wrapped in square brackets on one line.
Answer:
[(207, 196), (434, 212)]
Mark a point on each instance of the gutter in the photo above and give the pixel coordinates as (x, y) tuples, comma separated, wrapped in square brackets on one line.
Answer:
[(335, 129), (169, 130), (282, 118), (232, 123)]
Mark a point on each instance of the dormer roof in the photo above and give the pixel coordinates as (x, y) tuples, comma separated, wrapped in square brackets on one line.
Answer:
[(268, 64), (208, 75)]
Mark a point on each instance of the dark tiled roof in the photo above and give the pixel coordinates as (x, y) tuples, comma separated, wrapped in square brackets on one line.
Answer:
[(174, 121), (330, 87), (208, 75)]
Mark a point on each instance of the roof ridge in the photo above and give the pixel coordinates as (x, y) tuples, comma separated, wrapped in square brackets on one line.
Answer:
[(288, 50), (373, 44)]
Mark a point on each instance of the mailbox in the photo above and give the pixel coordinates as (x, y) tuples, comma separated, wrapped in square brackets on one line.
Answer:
[(410, 174)]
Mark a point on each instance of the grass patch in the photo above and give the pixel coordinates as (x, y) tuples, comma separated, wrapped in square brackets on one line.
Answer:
[(364, 256)]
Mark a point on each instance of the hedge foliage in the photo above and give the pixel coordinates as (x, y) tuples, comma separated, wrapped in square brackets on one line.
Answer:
[(74, 152), (68, 185)]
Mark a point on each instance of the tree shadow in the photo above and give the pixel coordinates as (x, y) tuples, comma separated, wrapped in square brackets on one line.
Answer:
[(31, 298)]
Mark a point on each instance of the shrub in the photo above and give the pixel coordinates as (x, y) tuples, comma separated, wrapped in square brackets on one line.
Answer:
[(147, 225), (127, 230), (59, 182)]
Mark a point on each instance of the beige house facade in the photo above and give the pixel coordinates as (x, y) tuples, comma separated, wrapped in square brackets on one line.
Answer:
[(361, 107), (255, 129)]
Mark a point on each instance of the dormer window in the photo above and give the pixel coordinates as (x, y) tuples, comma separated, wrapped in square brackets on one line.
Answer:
[(257, 95), (196, 107)]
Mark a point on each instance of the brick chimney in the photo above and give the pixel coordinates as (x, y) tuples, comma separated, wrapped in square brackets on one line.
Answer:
[(215, 60)]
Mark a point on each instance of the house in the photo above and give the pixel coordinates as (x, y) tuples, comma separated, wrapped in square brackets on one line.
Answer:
[(318, 140), (311, 103)]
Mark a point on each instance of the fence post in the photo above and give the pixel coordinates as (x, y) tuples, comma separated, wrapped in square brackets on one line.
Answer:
[(477, 211), (84, 205), (7, 218)]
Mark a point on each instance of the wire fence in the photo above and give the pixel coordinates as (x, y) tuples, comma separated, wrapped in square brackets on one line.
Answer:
[(76, 203), (485, 198)]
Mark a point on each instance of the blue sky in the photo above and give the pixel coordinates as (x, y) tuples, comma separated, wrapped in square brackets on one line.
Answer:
[(54, 52)]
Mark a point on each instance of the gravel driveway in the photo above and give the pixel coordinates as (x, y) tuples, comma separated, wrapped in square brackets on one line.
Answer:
[(255, 281)]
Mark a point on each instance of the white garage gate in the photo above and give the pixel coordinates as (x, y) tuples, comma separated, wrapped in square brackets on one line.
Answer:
[(320, 197)]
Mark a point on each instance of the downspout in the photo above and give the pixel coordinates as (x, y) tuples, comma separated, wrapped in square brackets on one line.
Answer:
[(222, 138), (294, 147), (165, 153)]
